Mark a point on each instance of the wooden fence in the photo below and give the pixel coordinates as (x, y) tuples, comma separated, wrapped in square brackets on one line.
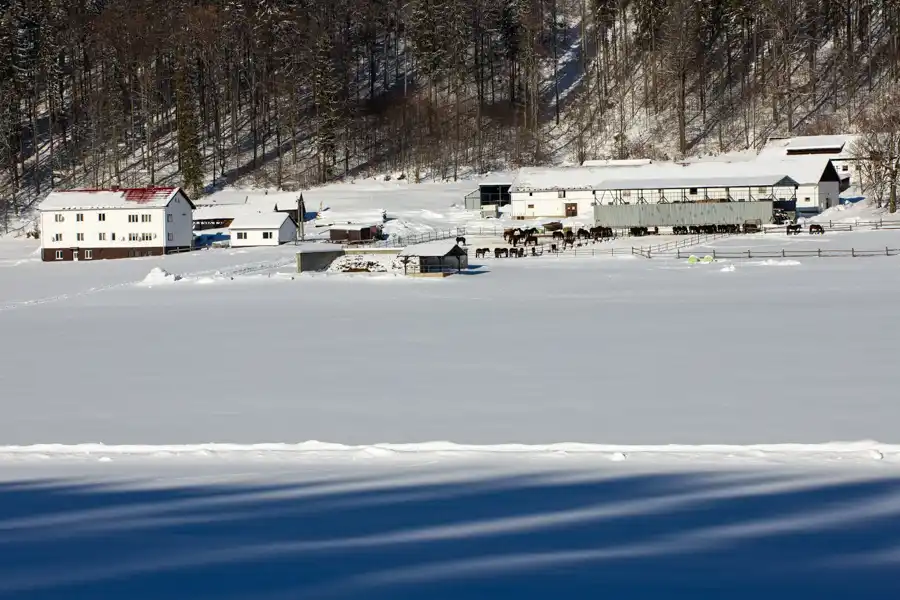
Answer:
[(785, 253), (401, 242)]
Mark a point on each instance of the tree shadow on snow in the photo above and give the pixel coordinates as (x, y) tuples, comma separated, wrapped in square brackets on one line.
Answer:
[(704, 535)]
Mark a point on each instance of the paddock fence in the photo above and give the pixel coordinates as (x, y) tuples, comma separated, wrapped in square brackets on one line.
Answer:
[(409, 240), (793, 253), (841, 226)]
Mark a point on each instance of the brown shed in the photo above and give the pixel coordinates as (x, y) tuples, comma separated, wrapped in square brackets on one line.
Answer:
[(353, 233)]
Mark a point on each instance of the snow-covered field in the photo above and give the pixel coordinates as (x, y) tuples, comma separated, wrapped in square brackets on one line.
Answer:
[(551, 426), (534, 351)]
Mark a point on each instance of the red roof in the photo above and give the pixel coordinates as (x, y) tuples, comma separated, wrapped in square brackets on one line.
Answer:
[(137, 195)]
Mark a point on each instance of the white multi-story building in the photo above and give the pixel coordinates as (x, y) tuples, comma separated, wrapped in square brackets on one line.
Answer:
[(115, 223)]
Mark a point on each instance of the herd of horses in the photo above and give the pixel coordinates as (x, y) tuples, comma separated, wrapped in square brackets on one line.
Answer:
[(814, 229), (519, 252), (712, 229), (569, 238)]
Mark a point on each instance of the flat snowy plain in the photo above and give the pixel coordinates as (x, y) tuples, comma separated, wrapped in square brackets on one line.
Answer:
[(615, 426), (533, 351)]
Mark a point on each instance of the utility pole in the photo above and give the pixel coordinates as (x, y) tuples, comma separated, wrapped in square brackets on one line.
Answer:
[(301, 216)]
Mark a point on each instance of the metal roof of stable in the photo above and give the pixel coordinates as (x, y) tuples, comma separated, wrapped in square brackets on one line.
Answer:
[(699, 183)]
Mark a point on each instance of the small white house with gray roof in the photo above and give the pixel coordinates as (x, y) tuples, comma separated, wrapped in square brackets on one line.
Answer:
[(262, 229)]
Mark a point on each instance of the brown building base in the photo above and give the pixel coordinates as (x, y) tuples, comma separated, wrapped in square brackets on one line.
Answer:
[(50, 254)]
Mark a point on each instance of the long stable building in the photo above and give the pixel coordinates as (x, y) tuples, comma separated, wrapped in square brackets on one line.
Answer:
[(807, 184)]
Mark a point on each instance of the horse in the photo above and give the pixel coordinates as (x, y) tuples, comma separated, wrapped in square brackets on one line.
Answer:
[(531, 239), (554, 248), (501, 252), (816, 229), (583, 234), (559, 235), (461, 240), (482, 252), (793, 229)]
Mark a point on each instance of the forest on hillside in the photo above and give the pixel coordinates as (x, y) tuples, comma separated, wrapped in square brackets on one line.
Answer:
[(291, 93)]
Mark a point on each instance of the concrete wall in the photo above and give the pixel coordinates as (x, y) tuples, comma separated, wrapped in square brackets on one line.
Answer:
[(316, 260), (687, 214)]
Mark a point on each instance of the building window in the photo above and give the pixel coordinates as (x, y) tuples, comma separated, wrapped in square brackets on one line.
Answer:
[(761, 190), (806, 199), (561, 194), (171, 237), (133, 237), (88, 254), (145, 218), (59, 218), (242, 235), (59, 255), (79, 237), (531, 206), (530, 194), (79, 217), (845, 168), (169, 218), (132, 218), (692, 191), (57, 237), (112, 236), (146, 237), (626, 193), (101, 217), (267, 235), (102, 237)]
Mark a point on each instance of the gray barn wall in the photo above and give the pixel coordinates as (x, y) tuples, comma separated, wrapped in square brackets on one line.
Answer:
[(683, 213), (316, 260)]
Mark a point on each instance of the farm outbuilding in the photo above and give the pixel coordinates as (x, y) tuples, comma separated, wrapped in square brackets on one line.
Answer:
[(353, 232), (492, 194), (262, 229), (434, 257)]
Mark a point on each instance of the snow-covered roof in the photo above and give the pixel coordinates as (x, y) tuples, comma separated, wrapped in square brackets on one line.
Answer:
[(692, 182), (436, 248), (272, 220), (90, 199), (536, 179), (211, 212), (825, 145), (353, 226), (677, 175), (805, 170)]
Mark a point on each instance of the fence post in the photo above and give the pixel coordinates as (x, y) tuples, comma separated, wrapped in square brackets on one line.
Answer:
[(819, 252), (782, 253), (853, 252), (886, 252), (677, 253), (749, 255), (714, 255)]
